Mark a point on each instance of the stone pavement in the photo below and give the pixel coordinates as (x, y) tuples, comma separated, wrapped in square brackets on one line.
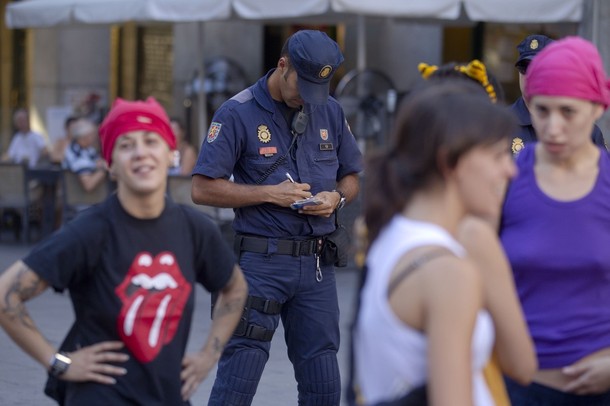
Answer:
[(22, 379)]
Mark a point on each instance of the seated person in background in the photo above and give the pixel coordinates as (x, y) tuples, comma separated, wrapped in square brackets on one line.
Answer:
[(185, 153), (58, 149), (82, 157), (26, 146)]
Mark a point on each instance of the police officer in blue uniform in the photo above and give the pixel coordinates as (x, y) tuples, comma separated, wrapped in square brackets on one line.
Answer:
[(283, 139), (528, 48)]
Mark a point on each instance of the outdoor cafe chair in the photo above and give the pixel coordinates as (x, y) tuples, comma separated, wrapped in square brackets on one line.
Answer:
[(75, 198), (19, 194)]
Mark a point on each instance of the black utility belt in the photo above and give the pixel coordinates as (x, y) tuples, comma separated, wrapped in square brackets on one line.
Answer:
[(295, 248)]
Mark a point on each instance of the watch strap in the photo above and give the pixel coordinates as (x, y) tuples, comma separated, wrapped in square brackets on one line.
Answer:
[(59, 364), (342, 199)]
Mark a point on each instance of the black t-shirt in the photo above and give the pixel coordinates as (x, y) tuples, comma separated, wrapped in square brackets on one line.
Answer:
[(133, 280)]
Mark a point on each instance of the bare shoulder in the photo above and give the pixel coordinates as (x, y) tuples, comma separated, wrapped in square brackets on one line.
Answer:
[(441, 274), (440, 283), (452, 272), (452, 287)]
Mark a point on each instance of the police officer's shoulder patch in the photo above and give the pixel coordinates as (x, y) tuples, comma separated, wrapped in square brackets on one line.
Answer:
[(214, 131)]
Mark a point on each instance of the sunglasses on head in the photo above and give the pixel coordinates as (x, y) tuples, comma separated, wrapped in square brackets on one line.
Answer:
[(522, 67)]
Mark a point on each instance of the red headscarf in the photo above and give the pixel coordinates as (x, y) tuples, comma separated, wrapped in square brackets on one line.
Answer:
[(571, 67), (126, 116)]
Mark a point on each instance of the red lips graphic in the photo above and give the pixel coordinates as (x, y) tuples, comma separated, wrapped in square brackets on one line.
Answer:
[(153, 293)]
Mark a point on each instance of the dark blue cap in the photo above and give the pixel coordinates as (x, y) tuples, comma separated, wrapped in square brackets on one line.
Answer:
[(315, 57), (530, 46)]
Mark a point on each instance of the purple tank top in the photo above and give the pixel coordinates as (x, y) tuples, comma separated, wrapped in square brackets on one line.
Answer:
[(560, 255)]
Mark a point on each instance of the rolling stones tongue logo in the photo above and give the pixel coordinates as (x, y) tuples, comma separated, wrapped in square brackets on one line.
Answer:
[(153, 293)]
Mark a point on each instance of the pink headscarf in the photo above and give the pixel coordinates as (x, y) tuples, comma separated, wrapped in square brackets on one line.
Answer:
[(126, 116), (571, 67)]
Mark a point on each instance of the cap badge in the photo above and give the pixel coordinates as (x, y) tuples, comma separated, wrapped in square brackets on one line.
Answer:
[(324, 134), (214, 131), (534, 44), (517, 145), (264, 135), (144, 119), (325, 71)]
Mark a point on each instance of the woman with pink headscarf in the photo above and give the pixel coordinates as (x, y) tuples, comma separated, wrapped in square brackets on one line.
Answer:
[(555, 228)]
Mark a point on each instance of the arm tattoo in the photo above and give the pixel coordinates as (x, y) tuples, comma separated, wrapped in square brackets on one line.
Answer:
[(228, 308), (17, 294), (217, 345)]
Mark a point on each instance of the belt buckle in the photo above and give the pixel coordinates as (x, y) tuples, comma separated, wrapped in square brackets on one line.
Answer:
[(314, 246)]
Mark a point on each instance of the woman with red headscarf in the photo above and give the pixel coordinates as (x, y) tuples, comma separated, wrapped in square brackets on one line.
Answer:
[(555, 228), (131, 279)]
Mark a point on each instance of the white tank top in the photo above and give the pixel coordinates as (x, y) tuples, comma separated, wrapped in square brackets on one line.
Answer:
[(391, 357)]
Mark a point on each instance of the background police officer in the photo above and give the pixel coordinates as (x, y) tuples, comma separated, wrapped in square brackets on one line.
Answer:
[(283, 139)]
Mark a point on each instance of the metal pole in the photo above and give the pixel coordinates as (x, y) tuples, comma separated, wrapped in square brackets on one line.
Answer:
[(361, 40), (595, 23), (202, 105)]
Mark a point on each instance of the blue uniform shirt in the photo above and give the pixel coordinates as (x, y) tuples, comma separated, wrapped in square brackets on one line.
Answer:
[(249, 133), (528, 134)]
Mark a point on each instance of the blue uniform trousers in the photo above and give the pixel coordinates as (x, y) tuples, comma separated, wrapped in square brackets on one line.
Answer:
[(310, 315)]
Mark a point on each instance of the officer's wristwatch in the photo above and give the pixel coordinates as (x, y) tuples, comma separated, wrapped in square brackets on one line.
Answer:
[(342, 200), (59, 364)]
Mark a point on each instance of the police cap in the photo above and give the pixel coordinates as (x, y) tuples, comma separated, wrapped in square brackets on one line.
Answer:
[(315, 57), (530, 46)]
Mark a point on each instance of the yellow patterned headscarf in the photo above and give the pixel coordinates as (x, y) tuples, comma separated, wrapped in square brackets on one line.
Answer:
[(475, 70), (426, 70)]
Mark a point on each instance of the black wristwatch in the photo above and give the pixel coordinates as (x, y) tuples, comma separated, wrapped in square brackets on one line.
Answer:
[(342, 200), (59, 364)]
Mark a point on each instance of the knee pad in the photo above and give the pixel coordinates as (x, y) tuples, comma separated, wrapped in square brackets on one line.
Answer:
[(319, 381), (237, 378)]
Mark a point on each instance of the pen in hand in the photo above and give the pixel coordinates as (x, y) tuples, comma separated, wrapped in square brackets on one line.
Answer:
[(289, 177)]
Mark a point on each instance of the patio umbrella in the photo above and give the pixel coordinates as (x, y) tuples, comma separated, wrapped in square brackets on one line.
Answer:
[(513, 11), (48, 13)]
